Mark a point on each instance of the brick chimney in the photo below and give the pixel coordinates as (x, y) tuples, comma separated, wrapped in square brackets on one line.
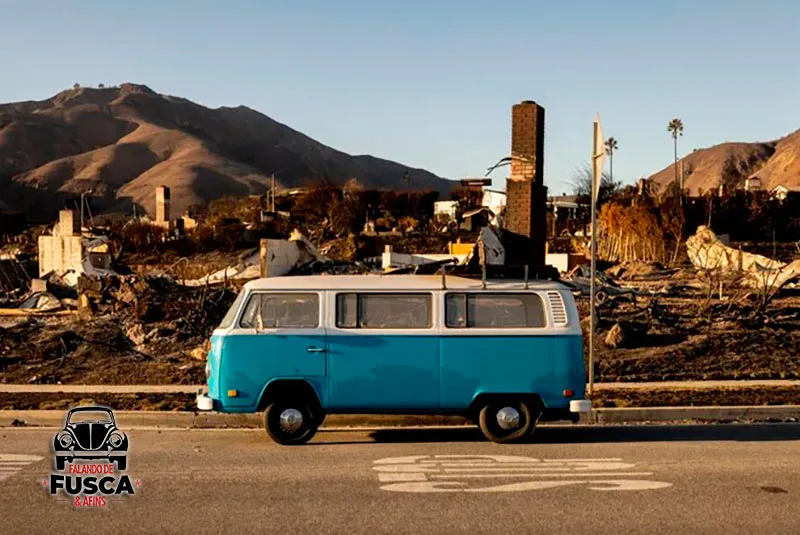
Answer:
[(526, 195)]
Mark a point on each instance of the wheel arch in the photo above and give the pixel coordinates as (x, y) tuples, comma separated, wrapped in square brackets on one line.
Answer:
[(481, 399), (288, 388)]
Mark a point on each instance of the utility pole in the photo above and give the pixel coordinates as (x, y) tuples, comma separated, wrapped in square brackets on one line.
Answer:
[(598, 159), (273, 193)]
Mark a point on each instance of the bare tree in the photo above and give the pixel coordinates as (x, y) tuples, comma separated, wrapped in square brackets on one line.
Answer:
[(581, 182)]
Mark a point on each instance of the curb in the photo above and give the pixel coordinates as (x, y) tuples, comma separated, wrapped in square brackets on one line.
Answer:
[(133, 419), (710, 414)]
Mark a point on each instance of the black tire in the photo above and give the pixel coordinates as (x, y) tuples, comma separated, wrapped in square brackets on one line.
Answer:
[(122, 463), (61, 463), (487, 421), (319, 417), (279, 434)]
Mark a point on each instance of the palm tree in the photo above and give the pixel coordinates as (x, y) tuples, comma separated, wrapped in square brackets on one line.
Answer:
[(611, 146), (675, 127)]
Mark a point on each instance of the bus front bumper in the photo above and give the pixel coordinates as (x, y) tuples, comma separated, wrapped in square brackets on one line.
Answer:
[(580, 405), (204, 403)]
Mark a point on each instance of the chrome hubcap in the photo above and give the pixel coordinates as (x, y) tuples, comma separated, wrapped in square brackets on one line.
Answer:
[(508, 418), (291, 420)]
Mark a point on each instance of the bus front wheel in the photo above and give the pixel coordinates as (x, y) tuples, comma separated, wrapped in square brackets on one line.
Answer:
[(506, 420), (290, 423)]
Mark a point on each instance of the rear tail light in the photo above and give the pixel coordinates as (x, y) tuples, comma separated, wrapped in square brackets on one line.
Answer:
[(568, 393)]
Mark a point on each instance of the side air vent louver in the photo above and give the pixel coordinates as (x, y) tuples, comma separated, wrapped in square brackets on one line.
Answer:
[(557, 306)]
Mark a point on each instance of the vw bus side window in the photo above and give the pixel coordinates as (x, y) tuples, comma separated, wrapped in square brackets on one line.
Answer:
[(494, 311), (383, 311), (281, 310)]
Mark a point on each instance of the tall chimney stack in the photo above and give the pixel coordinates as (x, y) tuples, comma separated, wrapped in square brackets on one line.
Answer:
[(162, 206), (525, 191)]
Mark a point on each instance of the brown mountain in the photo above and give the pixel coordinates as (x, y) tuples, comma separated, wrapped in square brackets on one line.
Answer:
[(122, 142), (775, 163)]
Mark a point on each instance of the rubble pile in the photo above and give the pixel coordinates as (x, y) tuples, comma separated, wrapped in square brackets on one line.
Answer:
[(658, 324), (129, 330), (636, 269), (709, 254)]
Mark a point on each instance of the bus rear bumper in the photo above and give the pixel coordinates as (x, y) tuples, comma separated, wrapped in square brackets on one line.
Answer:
[(580, 406)]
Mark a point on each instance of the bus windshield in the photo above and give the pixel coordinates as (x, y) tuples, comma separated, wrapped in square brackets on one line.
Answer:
[(230, 316)]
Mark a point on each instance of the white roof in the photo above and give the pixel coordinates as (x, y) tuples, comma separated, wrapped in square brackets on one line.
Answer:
[(393, 282)]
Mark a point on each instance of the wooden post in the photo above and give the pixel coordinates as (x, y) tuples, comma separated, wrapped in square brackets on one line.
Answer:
[(262, 256)]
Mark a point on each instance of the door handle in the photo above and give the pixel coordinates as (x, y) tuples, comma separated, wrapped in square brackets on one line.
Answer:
[(315, 350)]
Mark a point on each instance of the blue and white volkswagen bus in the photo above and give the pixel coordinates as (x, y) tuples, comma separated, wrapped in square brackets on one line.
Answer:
[(507, 354)]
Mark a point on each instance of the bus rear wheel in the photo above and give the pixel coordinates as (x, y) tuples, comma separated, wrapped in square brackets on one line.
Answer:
[(290, 422), (506, 420)]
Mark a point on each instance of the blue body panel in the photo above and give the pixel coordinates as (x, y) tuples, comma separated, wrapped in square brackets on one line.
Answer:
[(545, 365), (383, 372), (250, 362), (392, 373)]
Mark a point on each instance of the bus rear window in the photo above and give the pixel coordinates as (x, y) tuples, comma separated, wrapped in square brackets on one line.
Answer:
[(494, 311)]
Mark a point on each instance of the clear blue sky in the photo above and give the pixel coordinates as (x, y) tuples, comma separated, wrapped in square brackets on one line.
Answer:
[(430, 83)]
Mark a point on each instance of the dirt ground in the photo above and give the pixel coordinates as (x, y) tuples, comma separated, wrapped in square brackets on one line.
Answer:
[(788, 395), (72, 351), (146, 331), (692, 337)]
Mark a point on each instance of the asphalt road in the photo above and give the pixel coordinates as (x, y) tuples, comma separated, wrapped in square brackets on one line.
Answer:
[(665, 479)]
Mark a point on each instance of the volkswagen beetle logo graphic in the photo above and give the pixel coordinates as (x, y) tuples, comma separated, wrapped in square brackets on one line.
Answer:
[(93, 452), (90, 433)]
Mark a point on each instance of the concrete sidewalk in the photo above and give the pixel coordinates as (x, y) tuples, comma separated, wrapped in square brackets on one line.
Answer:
[(191, 389), (133, 419), (98, 389)]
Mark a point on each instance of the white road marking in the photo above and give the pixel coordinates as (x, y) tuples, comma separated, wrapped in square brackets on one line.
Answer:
[(426, 473), (11, 463), (12, 457), (606, 460), (629, 484), (515, 468), (598, 474)]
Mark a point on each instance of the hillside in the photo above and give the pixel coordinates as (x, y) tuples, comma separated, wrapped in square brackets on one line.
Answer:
[(122, 142), (775, 163)]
